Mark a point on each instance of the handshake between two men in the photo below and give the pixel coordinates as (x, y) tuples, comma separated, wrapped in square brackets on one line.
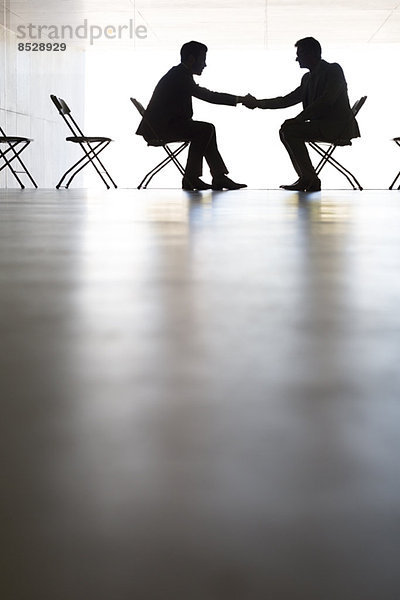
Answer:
[(250, 101), (325, 116)]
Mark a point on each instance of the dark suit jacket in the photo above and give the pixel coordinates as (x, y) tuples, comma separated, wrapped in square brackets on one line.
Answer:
[(323, 93), (171, 102)]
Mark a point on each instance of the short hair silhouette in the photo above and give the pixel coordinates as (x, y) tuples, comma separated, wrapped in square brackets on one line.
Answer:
[(309, 45), (192, 49)]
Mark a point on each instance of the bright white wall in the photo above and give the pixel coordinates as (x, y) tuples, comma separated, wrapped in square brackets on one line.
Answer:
[(248, 51), (28, 79), (248, 140)]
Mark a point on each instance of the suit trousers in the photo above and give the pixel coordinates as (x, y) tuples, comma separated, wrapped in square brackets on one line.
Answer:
[(293, 135), (203, 144)]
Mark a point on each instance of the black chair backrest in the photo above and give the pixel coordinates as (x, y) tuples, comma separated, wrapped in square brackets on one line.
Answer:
[(139, 106), (358, 105), (64, 107), (61, 105), (156, 140), (65, 113)]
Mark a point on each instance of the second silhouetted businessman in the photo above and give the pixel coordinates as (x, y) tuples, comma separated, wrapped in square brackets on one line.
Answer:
[(326, 114)]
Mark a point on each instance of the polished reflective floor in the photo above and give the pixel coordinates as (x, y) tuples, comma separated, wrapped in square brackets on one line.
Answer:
[(200, 395)]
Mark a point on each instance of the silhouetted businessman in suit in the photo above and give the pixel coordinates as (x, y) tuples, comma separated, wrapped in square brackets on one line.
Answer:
[(326, 114), (170, 113)]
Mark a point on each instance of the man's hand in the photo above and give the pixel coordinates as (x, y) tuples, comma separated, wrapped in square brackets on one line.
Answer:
[(249, 101)]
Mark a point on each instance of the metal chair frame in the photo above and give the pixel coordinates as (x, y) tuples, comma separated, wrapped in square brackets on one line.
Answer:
[(326, 154), (397, 141), (91, 147), (159, 143), (16, 145)]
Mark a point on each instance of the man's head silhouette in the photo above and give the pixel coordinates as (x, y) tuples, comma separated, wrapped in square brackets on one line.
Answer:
[(308, 52), (193, 55)]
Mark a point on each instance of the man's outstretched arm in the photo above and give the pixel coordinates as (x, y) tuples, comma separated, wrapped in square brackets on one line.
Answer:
[(280, 102), (216, 97)]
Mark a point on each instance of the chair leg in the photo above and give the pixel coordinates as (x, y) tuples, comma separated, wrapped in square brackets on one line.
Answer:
[(27, 172), (19, 159), (328, 158), (397, 141), (172, 157), (348, 174), (7, 164), (325, 157), (394, 181), (149, 176), (16, 156), (101, 164), (89, 157)]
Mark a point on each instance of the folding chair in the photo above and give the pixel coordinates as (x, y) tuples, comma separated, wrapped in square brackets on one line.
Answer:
[(91, 146), (397, 140), (158, 142), (327, 154), (15, 146)]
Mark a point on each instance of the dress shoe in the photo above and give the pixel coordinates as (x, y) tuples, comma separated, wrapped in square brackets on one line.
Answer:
[(223, 182), (291, 186), (194, 183), (304, 185), (314, 186)]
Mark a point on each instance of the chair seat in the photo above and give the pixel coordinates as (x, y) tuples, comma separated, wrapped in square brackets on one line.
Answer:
[(335, 142), (164, 142), (85, 140), (6, 138)]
